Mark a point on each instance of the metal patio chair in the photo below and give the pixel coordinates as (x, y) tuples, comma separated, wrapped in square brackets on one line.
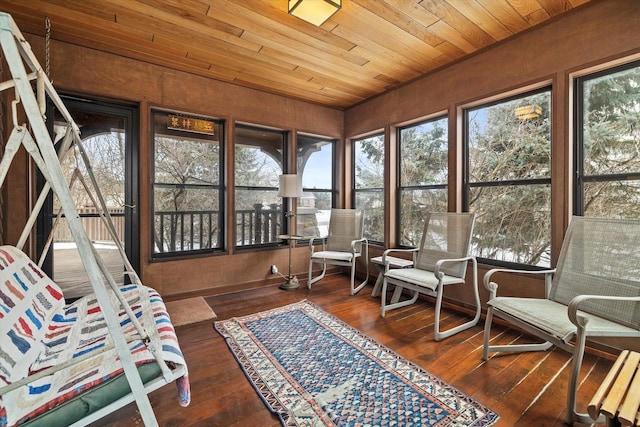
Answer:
[(441, 260), (594, 291), (342, 246)]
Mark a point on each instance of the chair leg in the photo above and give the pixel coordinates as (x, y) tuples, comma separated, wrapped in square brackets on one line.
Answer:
[(394, 300), (353, 277), (571, 414), (444, 334), (507, 348), (353, 271), (311, 280), (438, 335), (487, 333)]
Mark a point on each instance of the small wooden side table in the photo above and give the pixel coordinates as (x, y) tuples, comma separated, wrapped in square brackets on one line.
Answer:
[(394, 262), (618, 397)]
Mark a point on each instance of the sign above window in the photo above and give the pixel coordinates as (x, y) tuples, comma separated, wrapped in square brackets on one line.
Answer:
[(191, 124)]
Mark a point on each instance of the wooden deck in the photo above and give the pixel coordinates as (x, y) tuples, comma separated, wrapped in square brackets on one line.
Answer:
[(527, 389), (70, 275)]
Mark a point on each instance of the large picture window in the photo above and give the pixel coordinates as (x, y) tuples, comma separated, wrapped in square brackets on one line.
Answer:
[(422, 176), (508, 178), (368, 168), (316, 165), (187, 184), (259, 155), (608, 143)]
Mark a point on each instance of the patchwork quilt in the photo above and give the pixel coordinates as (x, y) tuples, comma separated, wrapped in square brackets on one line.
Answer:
[(38, 331)]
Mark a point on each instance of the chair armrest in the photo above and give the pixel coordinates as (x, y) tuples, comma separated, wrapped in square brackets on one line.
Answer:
[(581, 321), (356, 241), (492, 287), (436, 270), (405, 250), (312, 240), (388, 251)]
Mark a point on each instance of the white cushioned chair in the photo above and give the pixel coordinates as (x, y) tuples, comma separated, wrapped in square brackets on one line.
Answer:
[(342, 246), (441, 260), (594, 291)]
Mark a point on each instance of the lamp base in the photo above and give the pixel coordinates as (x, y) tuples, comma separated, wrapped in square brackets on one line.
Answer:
[(291, 284)]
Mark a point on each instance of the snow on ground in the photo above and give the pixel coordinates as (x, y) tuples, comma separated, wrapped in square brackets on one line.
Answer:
[(72, 245)]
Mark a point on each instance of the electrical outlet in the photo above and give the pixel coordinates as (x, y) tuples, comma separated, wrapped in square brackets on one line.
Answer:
[(274, 269)]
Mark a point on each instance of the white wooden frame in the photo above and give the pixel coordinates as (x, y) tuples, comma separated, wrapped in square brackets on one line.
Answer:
[(24, 69)]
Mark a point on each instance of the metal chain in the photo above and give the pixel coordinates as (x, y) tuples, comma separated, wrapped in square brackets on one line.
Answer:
[(47, 37)]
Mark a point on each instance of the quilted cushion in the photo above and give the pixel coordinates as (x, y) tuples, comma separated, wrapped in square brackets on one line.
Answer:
[(29, 299), (37, 332)]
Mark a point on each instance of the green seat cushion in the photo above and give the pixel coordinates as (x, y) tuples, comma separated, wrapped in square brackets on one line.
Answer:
[(97, 398)]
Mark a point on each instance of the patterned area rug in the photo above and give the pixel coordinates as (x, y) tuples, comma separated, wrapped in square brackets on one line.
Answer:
[(312, 369)]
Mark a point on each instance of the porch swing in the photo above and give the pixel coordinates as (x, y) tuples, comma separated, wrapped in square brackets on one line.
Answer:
[(71, 364)]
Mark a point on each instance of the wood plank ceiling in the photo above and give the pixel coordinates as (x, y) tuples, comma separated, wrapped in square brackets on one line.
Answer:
[(366, 48)]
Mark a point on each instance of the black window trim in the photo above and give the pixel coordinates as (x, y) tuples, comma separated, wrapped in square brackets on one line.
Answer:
[(466, 185), (578, 143), (354, 189), (399, 186), (221, 188)]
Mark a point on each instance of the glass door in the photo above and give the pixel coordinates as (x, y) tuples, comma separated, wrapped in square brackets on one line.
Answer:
[(110, 144)]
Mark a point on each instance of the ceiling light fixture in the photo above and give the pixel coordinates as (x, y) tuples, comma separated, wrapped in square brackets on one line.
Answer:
[(528, 112), (315, 12)]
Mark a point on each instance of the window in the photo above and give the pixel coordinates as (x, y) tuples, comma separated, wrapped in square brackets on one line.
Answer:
[(508, 178), (368, 158), (422, 176), (608, 143), (315, 164), (187, 184), (259, 155)]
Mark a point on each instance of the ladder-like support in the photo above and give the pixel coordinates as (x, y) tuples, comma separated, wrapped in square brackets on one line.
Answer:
[(38, 143)]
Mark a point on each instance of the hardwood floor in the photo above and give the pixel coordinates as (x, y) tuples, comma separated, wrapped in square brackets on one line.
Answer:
[(527, 389)]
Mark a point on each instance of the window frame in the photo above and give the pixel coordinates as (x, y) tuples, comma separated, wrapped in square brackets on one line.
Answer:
[(354, 187), (578, 144), (283, 218), (333, 191), (467, 186), (401, 188), (219, 187)]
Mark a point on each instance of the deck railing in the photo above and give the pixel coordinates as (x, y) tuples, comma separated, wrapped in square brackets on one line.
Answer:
[(177, 231), (93, 224), (258, 225)]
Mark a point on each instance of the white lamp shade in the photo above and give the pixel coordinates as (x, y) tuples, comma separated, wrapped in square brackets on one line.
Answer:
[(290, 186)]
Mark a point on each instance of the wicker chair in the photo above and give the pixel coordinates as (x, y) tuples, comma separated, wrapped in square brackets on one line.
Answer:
[(593, 292)]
